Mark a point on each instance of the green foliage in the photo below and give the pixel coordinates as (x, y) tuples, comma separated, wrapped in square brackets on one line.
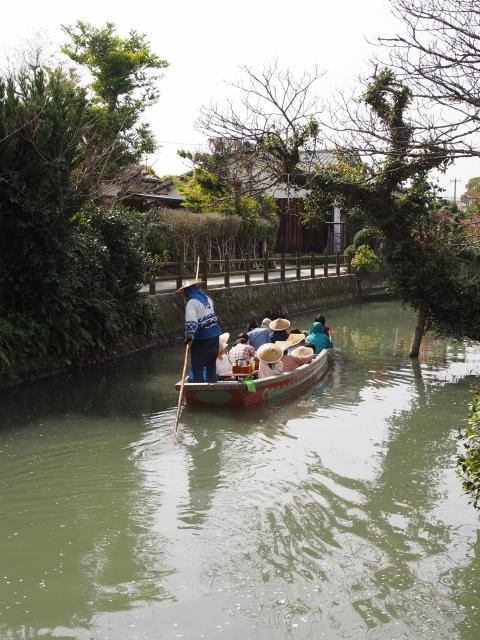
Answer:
[(468, 463), (366, 259), (69, 271), (120, 67), (125, 74), (222, 182), (367, 236), (471, 197)]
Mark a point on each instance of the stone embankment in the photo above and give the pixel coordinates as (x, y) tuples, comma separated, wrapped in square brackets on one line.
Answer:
[(235, 306), (238, 305)]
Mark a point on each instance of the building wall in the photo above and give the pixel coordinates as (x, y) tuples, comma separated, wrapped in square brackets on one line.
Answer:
[(294, 237)]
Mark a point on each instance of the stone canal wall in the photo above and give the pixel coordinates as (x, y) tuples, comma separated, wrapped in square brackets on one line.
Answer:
[(239, 305)]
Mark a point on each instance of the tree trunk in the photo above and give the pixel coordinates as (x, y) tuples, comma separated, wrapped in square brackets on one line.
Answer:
[(419, 332)]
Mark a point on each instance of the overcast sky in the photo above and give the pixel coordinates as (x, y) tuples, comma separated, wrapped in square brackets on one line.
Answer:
[(206, 42)]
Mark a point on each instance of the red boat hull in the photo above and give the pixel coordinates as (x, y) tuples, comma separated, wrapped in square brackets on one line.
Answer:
[(235, 394)]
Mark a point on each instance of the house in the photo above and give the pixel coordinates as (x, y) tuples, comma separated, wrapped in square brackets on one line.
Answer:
[(330, 236), (139, 188), (143, 190)]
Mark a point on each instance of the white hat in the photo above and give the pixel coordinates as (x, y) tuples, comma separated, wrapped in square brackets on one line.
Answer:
[(266, 323), (279, 324), (223, 341), (270, 353), (188, 283)]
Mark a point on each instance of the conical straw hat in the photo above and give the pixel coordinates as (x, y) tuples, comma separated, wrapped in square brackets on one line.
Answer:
[(303, 353), (295, 338), (188, 283), (279, 324), (270, 353)]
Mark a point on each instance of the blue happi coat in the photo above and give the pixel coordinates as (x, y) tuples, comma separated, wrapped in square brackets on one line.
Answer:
[(200, 318)]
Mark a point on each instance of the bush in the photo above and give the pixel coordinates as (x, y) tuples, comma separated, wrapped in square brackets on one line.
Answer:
[(468, 463), (96, 306), (366, 259), (179, 233)]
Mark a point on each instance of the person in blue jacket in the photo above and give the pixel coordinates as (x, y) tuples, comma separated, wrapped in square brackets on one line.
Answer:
[(317, 338), (201, 330)]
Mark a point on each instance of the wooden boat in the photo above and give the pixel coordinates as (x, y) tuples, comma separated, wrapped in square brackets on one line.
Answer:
[(235, 393)]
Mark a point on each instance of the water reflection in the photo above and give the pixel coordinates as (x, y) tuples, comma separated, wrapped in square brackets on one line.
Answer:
[(335, 515)]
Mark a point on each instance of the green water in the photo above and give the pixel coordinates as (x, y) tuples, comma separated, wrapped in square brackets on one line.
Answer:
[(335, 516)]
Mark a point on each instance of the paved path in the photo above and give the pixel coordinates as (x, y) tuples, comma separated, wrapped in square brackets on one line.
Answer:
[(217, 282)]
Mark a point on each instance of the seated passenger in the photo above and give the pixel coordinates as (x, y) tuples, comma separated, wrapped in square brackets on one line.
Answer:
[(303, 354), (317, 338), (260, 335), (224, 366), (289, 362), (270, 357), (279, 328), (242, 350), (294, 340), (322, 321)]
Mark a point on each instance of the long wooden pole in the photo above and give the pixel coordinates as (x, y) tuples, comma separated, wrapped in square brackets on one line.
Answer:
[(184, 371), (180, 395)]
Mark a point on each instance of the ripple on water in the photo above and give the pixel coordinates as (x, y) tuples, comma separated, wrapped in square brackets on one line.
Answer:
[(336, 516)]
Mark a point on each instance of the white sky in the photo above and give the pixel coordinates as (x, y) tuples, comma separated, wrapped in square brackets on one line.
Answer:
[(206, 42)]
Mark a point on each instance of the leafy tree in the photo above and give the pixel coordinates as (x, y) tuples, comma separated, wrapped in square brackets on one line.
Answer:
[(471, 197), (391, 190), (125, 73), (69, 273)]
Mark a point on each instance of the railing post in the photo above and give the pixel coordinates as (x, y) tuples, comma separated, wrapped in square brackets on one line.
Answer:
[(205, 271), (312, 265), (338, 263), (325, 266), (299, 267), (282, 268), (349, 264), (265, 269), (152, 286), (179, 273), (227, 272), (247, 271)]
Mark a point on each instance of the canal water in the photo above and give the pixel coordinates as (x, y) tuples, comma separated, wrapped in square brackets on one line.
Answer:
[(338, 515)]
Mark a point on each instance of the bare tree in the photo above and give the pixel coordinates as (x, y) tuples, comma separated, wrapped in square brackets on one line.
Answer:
[(274, 117), (438, 53)]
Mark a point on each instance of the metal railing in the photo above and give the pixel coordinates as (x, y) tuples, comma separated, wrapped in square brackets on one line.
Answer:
[(231, 272)]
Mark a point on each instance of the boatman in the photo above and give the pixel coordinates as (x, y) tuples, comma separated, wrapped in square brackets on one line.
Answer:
[(201, 330)]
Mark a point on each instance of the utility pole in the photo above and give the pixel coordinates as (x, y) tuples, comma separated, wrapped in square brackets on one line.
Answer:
[(455, 180)]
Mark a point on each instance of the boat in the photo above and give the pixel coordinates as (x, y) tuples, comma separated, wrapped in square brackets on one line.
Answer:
[(236, 394)]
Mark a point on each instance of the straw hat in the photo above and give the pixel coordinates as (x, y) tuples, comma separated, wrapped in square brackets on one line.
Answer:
[(294, 338), (305, 354), (188, 283), (223, 341), (270, 353), (279, 324)]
